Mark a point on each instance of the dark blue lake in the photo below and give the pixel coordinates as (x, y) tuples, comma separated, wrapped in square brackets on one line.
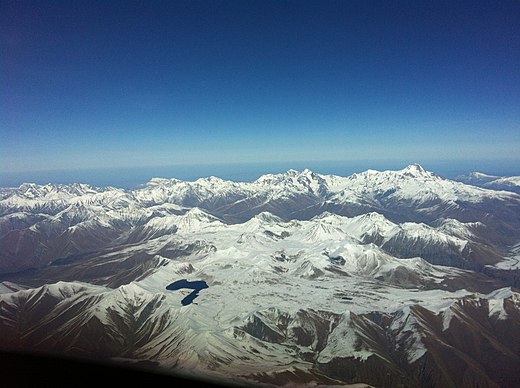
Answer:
[(195, 285)]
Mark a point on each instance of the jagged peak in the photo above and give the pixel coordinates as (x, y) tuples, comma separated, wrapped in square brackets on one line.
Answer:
[(31, 185), (309, 173), (291, 173), (373, 216), (132, 288), (267, 217), (161, 181), (200, 214), (211, 179), (326, 215), (414, 168), (268, 178), (34, 190)]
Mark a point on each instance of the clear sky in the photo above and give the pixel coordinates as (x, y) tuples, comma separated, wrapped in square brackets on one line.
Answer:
[(88, 84)]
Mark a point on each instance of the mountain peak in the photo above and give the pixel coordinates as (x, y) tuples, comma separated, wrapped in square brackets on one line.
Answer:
[(33, 190), (290, 176), (295, 173), (161, 181), (198, 213), (415, 169), (476, 177), (211, 179), (476, 174), (268, 217)]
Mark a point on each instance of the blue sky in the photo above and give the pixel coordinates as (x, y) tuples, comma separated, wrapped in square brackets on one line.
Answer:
[(86, 84)]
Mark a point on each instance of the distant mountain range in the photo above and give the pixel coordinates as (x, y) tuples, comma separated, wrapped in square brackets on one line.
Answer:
[(384, 278), (508, 183)]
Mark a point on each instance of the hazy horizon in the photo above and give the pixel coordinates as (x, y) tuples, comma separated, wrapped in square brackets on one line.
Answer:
[(130, 177)]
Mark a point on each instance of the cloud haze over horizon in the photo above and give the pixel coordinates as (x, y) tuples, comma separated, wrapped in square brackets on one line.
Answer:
[(126, 83)]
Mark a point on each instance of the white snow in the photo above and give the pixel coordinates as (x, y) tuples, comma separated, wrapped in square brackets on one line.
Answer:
[(344, 341), (329, 263)]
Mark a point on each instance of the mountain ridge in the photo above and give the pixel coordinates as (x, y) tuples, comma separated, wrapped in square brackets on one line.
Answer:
[(383, 278)]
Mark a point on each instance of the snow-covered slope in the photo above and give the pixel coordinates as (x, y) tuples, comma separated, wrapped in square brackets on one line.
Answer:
[(42, 223), (476, 178), (384, 277), (507, 183), (511, 183), (415, 187), (243, 333)]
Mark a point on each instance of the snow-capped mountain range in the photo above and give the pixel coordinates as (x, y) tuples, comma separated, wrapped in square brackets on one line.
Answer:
[(508, 183), (384, 277)]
